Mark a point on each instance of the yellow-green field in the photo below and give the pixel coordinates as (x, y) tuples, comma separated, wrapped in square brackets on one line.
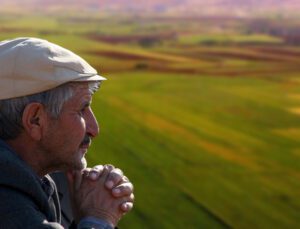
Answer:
[(202, 114)]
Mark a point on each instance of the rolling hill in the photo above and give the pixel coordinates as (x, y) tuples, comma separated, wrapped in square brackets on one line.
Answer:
[(181, 7)]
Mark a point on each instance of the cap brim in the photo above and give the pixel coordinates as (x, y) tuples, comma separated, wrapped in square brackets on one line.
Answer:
[(90, 78)]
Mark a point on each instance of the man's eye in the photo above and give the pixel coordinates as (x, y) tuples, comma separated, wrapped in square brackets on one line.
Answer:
[(82, 110)]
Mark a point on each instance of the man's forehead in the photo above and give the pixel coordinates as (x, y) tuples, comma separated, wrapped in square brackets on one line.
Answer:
[(81, 93), (81, 88), (77, 102)]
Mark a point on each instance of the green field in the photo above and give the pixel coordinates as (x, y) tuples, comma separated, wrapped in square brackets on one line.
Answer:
[(202, 114)]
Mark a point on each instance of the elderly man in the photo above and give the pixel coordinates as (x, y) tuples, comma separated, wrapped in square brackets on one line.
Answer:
[(46, 125)]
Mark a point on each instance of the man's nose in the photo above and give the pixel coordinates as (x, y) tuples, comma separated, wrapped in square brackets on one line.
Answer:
[(92, 127)]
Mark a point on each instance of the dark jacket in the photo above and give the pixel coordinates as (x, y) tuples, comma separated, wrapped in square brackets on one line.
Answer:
[(24, 198), (61, 183)]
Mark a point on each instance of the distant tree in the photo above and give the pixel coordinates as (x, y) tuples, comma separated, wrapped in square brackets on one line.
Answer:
[(141, 65), (148, 41)]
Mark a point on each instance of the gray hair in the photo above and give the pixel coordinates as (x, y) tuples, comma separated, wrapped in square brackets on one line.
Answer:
[(11, 110)]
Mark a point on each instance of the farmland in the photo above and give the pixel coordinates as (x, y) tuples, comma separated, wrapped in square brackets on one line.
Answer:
[(202, 113)]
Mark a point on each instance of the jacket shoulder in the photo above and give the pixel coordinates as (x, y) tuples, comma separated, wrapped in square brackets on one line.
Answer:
[(18, 211)]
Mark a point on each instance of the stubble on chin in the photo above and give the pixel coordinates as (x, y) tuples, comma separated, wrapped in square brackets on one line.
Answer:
[(80, 165)]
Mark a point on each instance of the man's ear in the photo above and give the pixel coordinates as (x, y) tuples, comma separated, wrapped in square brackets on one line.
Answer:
[(34, 120)]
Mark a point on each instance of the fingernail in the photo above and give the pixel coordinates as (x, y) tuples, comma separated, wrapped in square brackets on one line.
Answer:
[(93, 175), (109, 184), (116, 191), (125, 207)]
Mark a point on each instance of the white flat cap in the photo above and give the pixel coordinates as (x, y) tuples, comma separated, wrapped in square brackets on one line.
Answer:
[(32, 65)]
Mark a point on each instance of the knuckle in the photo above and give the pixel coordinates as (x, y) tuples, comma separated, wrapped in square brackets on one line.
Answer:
[(127, 206), (132, 197), (109, 167), (86, 170), (93, 174), (128, 186), (125, 178), (122, 190), (115, 175), (117, 172), (98, 167)]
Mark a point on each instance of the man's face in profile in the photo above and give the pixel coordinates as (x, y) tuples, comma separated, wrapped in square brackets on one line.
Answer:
[(68, 137)]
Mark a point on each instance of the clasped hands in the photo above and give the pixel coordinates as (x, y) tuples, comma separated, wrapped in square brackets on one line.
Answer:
[(102, 192)]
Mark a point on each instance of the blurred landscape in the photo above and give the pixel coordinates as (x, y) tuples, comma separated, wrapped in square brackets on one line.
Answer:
[(201, 108), (285, 8)]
